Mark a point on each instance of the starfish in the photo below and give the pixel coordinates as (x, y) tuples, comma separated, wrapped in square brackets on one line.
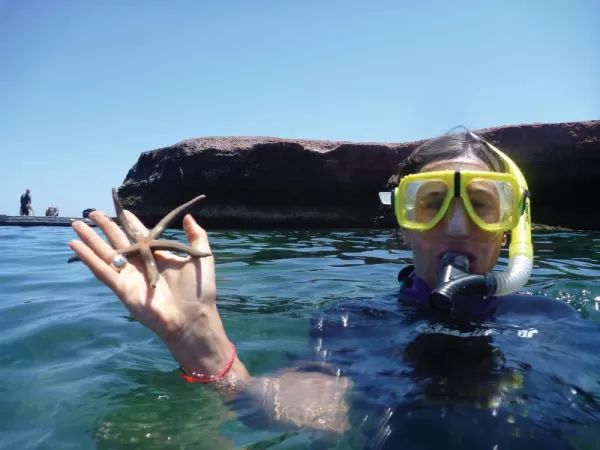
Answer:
[(144, 244)]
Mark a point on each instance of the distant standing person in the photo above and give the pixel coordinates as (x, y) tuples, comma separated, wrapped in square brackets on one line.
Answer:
[(26, 203)]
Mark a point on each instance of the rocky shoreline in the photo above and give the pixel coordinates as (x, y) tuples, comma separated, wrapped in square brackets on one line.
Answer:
[(265, 182)]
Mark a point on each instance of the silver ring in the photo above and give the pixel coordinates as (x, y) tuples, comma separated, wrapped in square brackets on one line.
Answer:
[(119, 262)]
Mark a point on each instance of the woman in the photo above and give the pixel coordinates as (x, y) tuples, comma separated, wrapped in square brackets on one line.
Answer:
[(456, 203)]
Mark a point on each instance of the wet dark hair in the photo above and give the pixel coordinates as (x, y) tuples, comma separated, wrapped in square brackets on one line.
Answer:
[(449, 146)]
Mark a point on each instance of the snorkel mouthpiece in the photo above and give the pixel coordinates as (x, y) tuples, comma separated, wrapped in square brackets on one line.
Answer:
[(454, 281)]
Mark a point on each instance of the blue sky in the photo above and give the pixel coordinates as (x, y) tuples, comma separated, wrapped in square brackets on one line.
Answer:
[(85, 87)]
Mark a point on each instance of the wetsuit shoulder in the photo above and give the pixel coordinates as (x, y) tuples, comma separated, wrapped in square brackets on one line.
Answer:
[(536, 304)]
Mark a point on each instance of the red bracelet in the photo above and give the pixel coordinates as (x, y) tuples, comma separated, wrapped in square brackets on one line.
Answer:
[(199, 378)]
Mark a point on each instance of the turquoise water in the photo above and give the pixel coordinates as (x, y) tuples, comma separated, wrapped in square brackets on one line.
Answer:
[(78, 372)]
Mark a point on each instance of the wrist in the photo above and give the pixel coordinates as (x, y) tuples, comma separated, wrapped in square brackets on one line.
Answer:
[(201, 342), (208, 377), (204, 351)]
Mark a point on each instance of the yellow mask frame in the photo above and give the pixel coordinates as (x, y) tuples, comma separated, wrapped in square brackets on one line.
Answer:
[(472, 187), (520, 245)]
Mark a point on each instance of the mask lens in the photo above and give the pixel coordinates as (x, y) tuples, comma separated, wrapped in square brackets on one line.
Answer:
[(424, 200), (492, 201)]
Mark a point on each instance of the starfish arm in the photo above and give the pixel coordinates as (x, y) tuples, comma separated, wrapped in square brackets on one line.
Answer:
[(162, 225), (150, 265), (133, 234), (131, 250), (177, 247)]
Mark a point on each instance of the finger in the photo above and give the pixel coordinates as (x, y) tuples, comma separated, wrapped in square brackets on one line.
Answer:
[(94, 242), (166, 255), (111, 230), (136, 223), (199, 239), (99, 268), (195, 234)]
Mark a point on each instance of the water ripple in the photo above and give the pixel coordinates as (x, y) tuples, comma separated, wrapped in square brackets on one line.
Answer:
[(78, 372)]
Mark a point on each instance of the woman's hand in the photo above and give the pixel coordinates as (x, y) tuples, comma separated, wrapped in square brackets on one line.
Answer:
[(181, 309)]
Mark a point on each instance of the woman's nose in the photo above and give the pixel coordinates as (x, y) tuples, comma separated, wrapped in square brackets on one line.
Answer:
[(457, 223)]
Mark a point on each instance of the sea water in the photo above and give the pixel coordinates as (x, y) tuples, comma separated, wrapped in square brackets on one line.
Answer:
[(79, 372)]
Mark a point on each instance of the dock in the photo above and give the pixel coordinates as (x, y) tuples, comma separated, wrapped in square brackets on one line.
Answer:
[(41, 221)]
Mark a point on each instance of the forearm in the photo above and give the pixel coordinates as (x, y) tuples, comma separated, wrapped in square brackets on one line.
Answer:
[(296, 400)]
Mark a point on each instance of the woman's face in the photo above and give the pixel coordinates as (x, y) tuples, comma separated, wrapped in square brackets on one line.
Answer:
[(456, 232)]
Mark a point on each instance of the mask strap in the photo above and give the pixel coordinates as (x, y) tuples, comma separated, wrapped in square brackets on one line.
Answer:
[(526, 193), (404, 276), (473, 137)]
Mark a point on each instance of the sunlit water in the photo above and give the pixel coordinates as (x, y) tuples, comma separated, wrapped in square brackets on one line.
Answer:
[(77, 372)]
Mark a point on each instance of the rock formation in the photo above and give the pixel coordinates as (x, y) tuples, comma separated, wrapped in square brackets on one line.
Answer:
[(264, 182)]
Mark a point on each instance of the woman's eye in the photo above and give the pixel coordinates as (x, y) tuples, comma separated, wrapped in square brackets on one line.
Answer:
[(432, 203)]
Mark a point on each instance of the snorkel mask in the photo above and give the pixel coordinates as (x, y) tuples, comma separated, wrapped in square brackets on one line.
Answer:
[(494, 202)]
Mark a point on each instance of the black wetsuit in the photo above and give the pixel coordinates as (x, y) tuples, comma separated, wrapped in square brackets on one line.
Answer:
[(523, 374), (25, 200)]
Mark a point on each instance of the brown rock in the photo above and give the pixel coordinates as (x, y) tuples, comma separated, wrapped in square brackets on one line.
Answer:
[(258, 182)]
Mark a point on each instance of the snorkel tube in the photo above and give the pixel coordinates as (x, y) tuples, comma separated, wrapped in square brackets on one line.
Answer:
[(454, 279)]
